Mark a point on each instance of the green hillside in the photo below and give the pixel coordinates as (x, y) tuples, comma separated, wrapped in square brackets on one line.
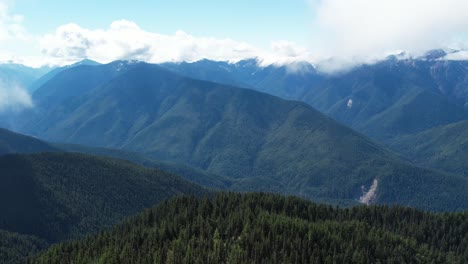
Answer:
[(58, 196), (264, 228), (197, 176), (443, 148), (11, 142)]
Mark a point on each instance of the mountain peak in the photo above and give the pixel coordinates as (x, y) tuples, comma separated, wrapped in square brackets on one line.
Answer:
[(85, 62), (434, 54)]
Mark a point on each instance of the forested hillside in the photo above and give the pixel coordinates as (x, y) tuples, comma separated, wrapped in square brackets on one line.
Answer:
[(265, 228), (58, 196), (11, 142), (194, 175), (15, 248), (443, 148)]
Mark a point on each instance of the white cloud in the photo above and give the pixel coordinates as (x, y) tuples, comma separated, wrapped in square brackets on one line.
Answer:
[(126, 40), (344, 33), (288, 48), (12, 33), (13, 97), (460, 55), (285, 52), (11, 25), (363, 29), (15, 41)]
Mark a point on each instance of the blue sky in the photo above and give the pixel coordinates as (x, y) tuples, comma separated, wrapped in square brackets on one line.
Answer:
[(345, 32), (241, 20)]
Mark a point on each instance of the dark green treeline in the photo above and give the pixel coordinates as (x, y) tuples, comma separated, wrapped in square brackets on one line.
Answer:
[(266, 228)]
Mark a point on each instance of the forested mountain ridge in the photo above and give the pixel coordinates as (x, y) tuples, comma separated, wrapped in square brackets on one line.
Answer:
[(265, 228), (191, 174), (385, 99), (51, 197), (261, 141), (11, 142)]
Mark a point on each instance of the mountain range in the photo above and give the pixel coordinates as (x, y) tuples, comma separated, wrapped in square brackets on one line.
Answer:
[(106, 141), (258, 141), (388, 100), (383, 100), (20, 75)]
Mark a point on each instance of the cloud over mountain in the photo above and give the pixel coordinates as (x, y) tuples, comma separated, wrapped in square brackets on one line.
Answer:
[(366, 28), (342, 33), (13, 97)]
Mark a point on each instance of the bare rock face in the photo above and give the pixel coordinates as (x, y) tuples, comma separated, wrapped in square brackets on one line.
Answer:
[(350, 103), (368, 197)]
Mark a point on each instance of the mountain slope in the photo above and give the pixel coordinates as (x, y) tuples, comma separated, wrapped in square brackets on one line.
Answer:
[(389, 99), (191, 174), (290, 81), (57, 196), (78, 80), (20, 75), (263, 142), (262, 228), (58, 91), (11, 142), (382, 100), (444, 148), (46, 77)]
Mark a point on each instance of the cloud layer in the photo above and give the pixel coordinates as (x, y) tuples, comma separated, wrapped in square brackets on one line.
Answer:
[(343, 33), (126, 40), (13, 97), (11, 25), (370, 28)]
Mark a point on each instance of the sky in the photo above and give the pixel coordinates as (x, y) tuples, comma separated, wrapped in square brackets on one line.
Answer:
[(332, 33)]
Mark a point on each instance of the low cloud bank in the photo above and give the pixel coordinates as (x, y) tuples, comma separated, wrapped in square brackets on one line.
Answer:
[(13, 97)]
